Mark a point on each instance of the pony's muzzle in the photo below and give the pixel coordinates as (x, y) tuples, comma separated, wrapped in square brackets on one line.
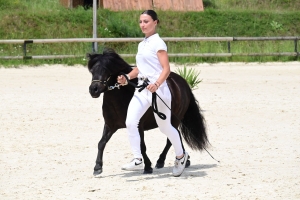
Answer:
[(94, 90)]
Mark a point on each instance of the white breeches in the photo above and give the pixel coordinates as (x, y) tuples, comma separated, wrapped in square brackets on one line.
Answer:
[(138, 105)]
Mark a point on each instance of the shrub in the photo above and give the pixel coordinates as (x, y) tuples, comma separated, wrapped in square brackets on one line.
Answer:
[(190, 75)]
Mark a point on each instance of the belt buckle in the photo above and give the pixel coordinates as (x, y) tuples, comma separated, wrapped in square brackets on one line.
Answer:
[(143, 78)]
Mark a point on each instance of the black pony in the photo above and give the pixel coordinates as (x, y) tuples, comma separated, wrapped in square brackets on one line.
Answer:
[(186, 114)]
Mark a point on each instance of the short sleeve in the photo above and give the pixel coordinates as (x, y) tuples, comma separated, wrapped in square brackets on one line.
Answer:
[(160, 45)]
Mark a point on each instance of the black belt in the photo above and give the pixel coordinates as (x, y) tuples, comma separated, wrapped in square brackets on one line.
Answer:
[(143, 78)]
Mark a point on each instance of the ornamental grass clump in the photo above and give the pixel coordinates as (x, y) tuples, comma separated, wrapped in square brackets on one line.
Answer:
[(190, 75)]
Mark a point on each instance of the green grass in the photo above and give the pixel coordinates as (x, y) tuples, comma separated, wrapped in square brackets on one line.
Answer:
[(274, 5), (35, 19)]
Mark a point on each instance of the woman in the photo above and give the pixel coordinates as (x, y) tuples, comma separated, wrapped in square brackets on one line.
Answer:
[(152, 63)]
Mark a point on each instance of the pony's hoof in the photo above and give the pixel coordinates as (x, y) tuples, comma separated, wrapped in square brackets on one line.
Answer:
[(148, 171), (187, 164), (97, 172), (159, 165)]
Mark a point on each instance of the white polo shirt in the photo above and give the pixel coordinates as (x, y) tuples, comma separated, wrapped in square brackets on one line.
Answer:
[(146, 58)]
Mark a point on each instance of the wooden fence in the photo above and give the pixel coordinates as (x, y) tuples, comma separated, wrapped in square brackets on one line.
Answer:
[(295, 51)]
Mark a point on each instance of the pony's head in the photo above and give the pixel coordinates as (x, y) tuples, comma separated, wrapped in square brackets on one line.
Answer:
[(105, 68)]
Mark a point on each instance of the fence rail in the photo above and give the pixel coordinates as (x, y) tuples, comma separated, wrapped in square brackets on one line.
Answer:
[(166, 39)]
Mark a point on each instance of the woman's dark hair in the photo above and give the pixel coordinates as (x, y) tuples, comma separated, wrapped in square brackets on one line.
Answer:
[(152, 14)]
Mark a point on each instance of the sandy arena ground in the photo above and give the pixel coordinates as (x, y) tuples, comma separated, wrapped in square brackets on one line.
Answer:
[(50, 127)]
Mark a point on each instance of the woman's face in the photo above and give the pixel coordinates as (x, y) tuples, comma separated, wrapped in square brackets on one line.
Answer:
[(147, 25)]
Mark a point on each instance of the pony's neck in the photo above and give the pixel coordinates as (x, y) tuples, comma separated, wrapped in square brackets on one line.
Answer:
[(127, 69)]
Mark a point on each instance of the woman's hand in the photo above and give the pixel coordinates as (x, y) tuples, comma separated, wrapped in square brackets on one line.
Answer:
[(122, 80), (152, 87)]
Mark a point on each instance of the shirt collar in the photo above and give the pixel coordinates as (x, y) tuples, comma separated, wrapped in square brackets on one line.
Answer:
[(150, 37)]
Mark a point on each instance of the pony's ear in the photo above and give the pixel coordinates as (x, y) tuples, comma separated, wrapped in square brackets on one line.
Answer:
[(89, 56)]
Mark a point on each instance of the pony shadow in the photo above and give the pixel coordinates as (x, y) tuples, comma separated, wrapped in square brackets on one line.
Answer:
[(166, 172)]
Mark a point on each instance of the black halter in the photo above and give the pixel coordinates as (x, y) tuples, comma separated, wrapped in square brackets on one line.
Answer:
[(100, 81), (105, 81)]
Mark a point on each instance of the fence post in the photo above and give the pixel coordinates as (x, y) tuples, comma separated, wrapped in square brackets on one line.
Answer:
[(228, 46), (24, 48), (296, 47), (95, 44)]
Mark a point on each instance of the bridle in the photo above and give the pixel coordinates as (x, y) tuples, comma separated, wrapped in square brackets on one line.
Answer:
[(103, 82), (117, 85)]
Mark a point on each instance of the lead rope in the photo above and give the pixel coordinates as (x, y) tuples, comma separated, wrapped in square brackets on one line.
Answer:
[(155, 109), (154, 94), (154, 100), (154, 105)]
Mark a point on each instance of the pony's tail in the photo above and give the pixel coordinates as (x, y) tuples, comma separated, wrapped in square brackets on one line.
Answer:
[(193, 126)]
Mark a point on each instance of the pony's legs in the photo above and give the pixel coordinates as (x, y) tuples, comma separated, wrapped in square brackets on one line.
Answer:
[(147, 169), (160, 163), (107, 133)]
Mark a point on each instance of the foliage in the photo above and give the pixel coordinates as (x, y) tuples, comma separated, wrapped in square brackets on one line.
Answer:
[(275, 5), (209, 4), (115, 27), (190, 75), (276, 26), (4, 4)]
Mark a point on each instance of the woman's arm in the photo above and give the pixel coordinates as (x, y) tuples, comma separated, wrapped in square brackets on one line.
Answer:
[(133, 74), (164, 61)]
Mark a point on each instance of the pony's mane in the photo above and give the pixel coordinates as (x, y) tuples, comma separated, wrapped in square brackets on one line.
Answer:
[(109, 59)]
